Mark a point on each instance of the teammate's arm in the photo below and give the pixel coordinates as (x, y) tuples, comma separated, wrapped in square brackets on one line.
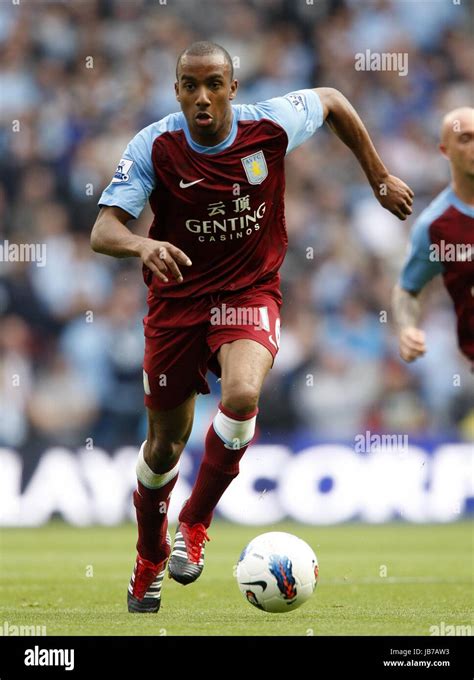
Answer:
[(110, 236), (419, 268), (406, 311), (391, 192)]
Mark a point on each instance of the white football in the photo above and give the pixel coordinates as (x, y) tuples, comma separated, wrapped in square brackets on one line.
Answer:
[(277, 572)]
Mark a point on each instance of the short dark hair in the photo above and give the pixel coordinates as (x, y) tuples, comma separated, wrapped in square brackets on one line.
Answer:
[(202, 48)]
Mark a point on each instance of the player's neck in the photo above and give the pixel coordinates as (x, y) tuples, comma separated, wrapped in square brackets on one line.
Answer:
[(463, 187), (220, 135)]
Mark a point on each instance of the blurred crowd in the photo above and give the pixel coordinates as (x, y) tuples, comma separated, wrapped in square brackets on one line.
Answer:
[(78, 79)]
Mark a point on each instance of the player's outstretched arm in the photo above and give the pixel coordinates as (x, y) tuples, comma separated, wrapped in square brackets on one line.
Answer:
[(110, 236), (391, 192), (406, 311)]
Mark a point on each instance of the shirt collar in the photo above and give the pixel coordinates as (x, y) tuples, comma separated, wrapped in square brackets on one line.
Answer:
[(212, 149), (460, 205)]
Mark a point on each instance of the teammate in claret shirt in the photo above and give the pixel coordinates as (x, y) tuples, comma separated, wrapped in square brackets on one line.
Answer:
[(214, 176), (442, 242)]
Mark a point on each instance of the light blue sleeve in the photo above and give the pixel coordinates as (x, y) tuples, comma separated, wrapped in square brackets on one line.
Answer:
[(299, 113), (419, 268), (134, 179)]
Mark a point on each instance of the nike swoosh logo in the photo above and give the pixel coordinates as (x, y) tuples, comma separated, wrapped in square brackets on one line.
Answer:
[(263, 584), (185, 185)]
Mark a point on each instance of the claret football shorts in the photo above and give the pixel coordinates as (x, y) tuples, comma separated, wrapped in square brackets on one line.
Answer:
[(182, 336)]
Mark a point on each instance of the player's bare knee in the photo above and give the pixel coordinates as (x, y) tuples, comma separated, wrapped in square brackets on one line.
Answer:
[(241, 399), (161, 455)]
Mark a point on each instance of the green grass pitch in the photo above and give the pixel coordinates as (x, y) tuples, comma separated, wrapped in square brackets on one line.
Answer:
[(393, 579)]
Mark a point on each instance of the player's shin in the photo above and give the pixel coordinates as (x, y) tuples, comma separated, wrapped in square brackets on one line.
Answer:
[(151, 500), (226, 442)]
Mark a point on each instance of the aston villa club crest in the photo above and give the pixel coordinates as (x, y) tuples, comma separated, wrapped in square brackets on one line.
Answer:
[(255, 167)]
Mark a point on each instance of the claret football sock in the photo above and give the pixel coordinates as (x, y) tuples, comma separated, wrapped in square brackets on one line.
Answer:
[(151, 500), (226, 442)]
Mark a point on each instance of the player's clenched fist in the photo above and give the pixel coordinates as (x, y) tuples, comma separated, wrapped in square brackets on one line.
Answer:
[(412, 343), (162, 258), (396, 196)]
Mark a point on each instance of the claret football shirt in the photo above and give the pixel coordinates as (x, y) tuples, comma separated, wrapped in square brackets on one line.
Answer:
[(222, 205), (442, 242)]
